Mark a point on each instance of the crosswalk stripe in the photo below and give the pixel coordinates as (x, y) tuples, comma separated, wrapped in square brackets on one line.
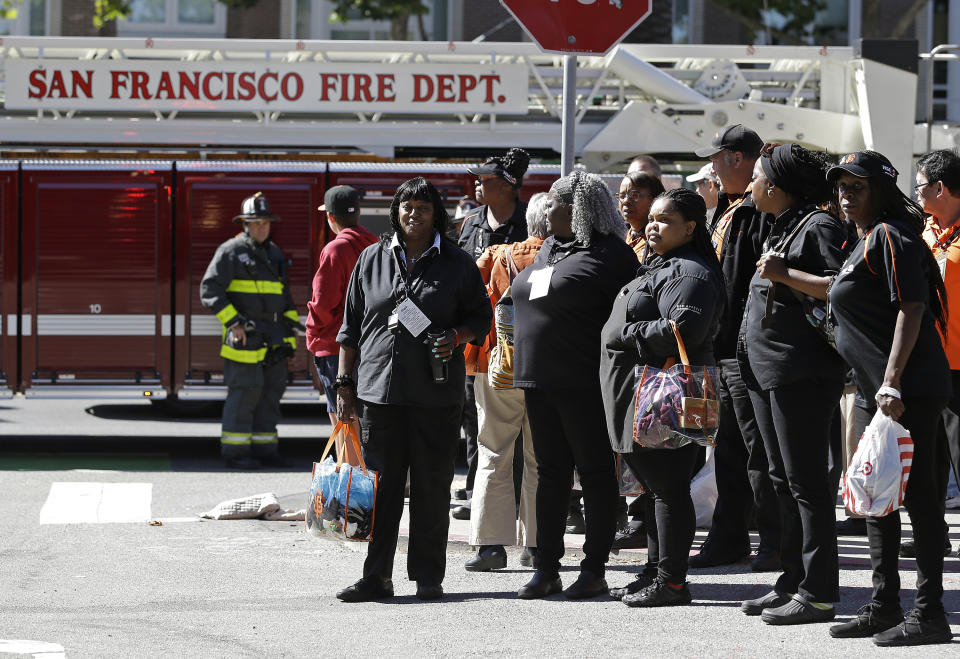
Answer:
[(39, 649), (97, 503)]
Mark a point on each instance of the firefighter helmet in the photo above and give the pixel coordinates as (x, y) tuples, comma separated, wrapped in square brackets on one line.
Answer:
[(255, 208)]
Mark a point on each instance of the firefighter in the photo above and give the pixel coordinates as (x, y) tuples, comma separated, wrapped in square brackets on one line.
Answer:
[(246, 287)]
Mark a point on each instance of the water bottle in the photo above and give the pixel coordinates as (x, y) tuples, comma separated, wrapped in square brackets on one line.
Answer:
[(437, 365)]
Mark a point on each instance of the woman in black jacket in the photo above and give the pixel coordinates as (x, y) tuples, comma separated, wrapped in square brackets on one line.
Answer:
[(682, 283), (561, 302), (888, 300), (413, 301), (798, 379)]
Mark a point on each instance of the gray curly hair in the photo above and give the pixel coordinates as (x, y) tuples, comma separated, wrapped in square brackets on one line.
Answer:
[(537, 216), (594, 208)]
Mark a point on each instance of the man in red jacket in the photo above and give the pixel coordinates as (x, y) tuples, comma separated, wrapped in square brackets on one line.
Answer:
[(341, 203)]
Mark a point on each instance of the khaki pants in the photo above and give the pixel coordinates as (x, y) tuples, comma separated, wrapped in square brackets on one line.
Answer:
[(501, 415), (848, 430)]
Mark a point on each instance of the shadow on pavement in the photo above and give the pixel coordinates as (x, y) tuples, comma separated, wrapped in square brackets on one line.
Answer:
[(200, 411)]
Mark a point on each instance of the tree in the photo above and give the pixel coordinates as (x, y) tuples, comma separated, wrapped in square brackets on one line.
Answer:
[(398, 12), (798, 15)]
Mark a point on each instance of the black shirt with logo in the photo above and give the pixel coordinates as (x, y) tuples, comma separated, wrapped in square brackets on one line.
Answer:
[(394, 366), (887, 267), (476, 235), (785, 348)]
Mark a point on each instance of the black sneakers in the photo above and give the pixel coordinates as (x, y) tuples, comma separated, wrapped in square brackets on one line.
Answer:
[(586, 586), (871, 619), (711, 555), (798, 611), (541, 585), (915, 630), (429, 591), (368, 589), (489, 557), (630, 538), (771, 600), (643, 580), (659, 593)]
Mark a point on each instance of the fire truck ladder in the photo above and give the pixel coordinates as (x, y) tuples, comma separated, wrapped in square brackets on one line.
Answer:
[(640, 98)]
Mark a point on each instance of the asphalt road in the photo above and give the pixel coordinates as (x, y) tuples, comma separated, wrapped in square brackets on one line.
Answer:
[(252, 588)]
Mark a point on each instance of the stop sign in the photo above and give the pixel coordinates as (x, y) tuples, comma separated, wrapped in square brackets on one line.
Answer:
[(584, 27)]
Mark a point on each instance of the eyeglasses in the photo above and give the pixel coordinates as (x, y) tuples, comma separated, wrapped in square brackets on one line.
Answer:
[(920, 186), (633, 195)]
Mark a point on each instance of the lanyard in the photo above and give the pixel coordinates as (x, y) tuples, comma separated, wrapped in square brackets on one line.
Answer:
[(943, 243), (406, 278), (555, 247)]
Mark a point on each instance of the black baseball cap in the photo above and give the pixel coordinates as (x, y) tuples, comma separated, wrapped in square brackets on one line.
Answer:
[(341, 200), (865, 164), (510, 167), (736, 137), (255, 207)]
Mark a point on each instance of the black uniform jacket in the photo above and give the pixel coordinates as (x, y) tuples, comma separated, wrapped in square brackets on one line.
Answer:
[(788, 349), (677, 286), (246, 282), (394, 366), (741, 251), (476, 234), (556, 336)]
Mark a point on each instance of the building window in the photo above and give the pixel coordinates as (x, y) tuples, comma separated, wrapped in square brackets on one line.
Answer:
[(681, 21), (171, 18), (31, 19)]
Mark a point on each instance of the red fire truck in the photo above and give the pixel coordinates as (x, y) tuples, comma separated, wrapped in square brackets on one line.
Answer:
[(110, 255)]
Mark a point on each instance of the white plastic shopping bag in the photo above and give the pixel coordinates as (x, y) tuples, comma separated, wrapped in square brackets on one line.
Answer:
[(876, 480)]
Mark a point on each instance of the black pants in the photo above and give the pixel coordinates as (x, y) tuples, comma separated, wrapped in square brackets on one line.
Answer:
[(469, 423), (924, 499), (795, 422), (252, 408), (569, 430), (667, 473), (743, 473), (424, 440), (950, 430)]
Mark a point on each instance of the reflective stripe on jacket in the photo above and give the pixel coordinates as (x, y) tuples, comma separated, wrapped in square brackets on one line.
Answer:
[(246, 282)]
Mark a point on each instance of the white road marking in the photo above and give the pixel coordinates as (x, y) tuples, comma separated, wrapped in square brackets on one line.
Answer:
[(97, 503), (39, 649)]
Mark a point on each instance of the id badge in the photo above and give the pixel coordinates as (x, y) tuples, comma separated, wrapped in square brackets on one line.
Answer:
[(410, 316), (942, 264), (540, 282)]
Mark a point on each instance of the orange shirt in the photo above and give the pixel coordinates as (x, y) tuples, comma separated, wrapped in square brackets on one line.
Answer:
[(637, 242), (723, 224), (496, 275), (945, 245)]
